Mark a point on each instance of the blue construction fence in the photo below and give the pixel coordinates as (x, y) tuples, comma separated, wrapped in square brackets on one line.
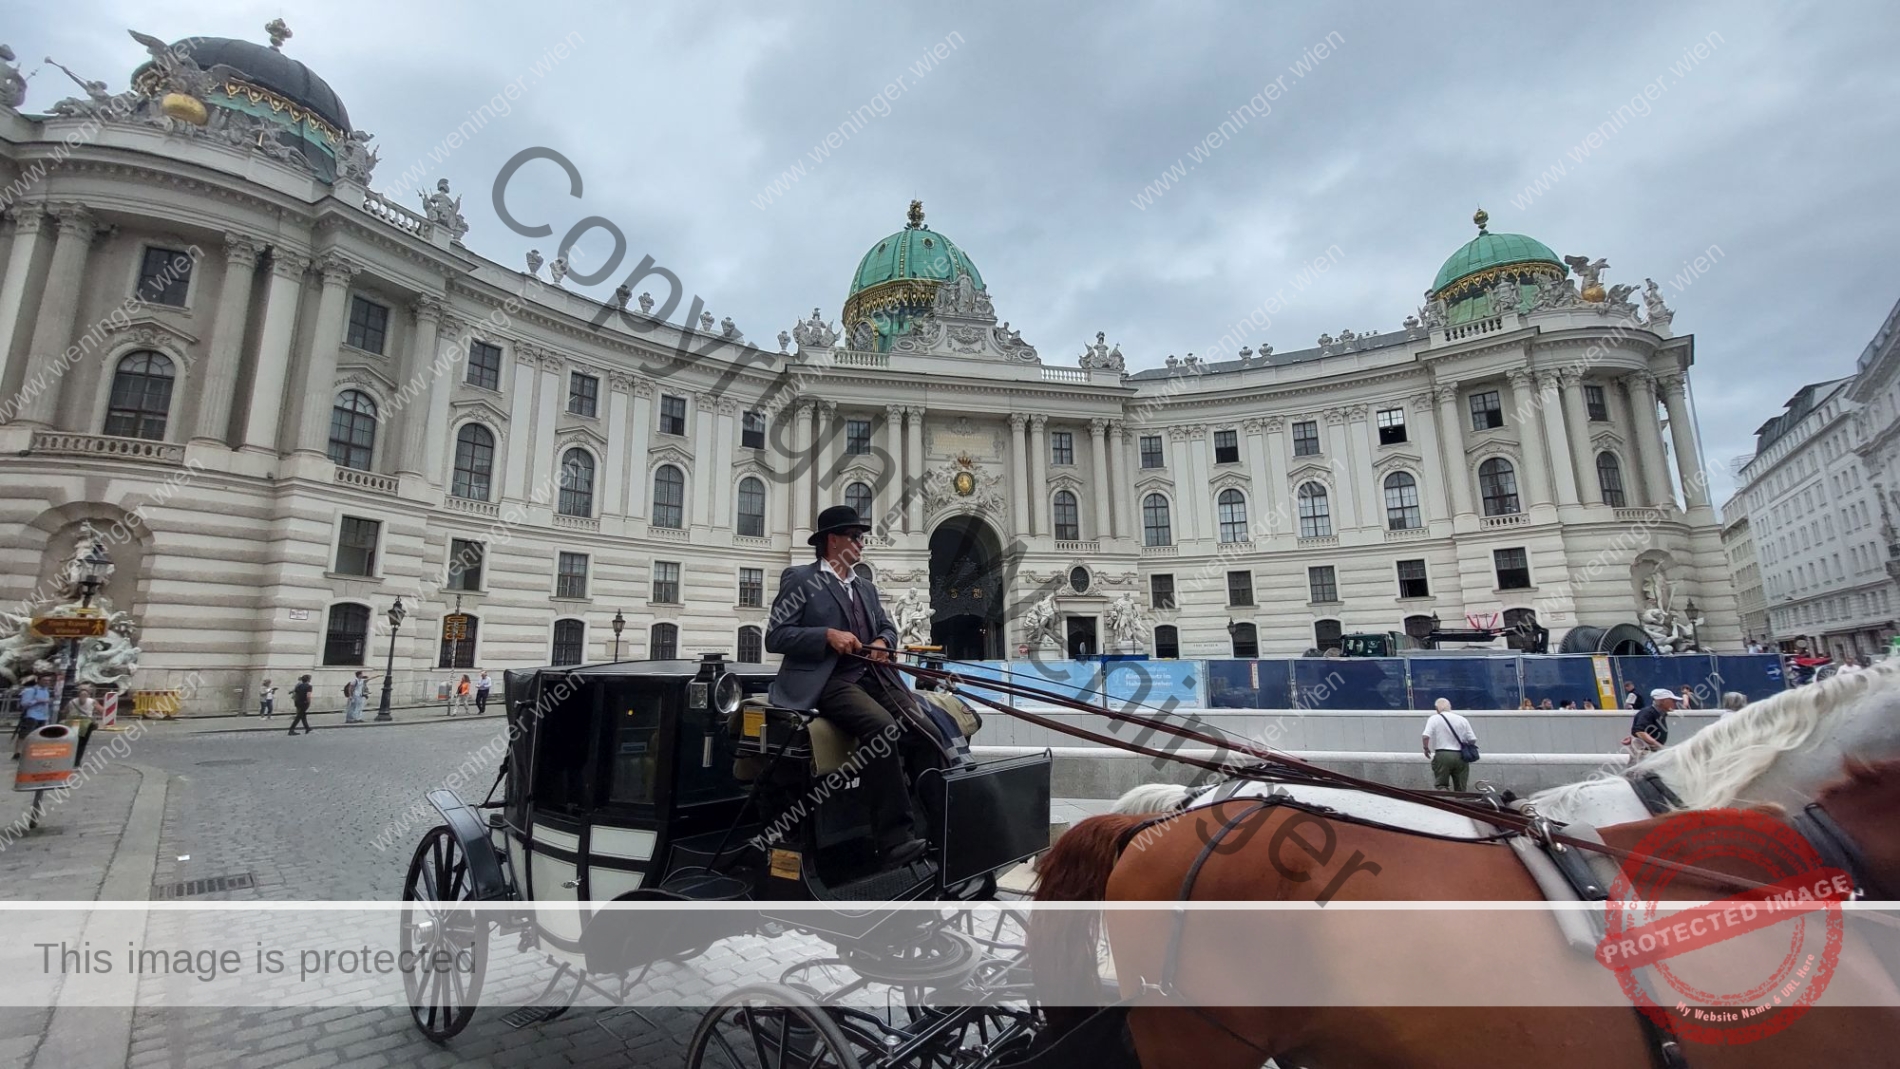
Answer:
[(1475, 682)]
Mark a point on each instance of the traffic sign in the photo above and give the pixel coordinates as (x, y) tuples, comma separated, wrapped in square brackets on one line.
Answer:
[(69, 626)]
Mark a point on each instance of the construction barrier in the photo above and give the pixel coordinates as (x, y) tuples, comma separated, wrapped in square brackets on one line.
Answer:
[(157, 704)]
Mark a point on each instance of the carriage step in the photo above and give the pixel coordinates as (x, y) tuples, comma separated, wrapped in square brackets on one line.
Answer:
[(528, 1015), (888, 886)]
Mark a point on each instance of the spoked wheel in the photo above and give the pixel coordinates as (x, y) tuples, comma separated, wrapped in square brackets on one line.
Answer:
[(444, 948), (769, 1026)]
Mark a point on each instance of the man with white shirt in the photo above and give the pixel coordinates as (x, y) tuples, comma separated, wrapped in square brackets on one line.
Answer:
[(1446, 734)]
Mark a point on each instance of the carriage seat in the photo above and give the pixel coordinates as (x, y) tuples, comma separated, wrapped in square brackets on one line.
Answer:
[(760, 731)]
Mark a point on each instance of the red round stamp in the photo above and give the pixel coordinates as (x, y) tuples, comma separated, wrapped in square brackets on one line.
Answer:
[(1724, 966)]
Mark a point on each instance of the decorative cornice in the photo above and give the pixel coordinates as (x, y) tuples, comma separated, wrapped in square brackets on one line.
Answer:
[(1180, 433), (620, 380), (1356, 412)]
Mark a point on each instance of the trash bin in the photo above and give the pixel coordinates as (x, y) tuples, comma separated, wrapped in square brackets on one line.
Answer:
[(46, 763)]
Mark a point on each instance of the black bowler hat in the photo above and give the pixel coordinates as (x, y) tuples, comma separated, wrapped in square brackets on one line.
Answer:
[(838, 519)]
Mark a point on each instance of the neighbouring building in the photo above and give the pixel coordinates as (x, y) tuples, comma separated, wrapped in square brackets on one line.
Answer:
[(1738, 542)]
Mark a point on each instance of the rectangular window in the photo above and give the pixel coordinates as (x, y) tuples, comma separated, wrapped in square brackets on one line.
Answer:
[(356, 546), (752, 587), (1322, 584), (1487, 411), (1151, 451), (1306, 439), (465, 564), (1226, 447), (570, 639), (164, 277), (666, 582), (1167, 643), (570, 577), (672, 414), (1061, 447), (1412, 582), (1391, 426), (665, 642), (484, 365), (1514, 569), (369, 324), (1596, 403), (1161, 591), (583, 394), (752, 431), (1240, 588), (857, 437)]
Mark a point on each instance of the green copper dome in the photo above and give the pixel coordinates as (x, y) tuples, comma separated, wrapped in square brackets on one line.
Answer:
[(913, 253), (1485, 253)]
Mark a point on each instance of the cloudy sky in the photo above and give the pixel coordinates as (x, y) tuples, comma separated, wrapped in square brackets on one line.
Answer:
[(1032, 139)]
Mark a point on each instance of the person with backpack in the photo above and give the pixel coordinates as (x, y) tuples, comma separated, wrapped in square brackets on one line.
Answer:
[(1450, 744), (300, 701), (356, 695)]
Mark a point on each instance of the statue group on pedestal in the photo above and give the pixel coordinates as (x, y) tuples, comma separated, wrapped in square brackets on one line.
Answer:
[(106, 660)]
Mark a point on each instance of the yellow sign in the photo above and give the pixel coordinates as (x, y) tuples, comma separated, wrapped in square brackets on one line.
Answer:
[(785, 864), (455, 627), (1606, 682), (69, 626), (752, 723)]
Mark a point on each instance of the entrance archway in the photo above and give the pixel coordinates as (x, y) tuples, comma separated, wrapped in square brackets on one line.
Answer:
[(966, 590)]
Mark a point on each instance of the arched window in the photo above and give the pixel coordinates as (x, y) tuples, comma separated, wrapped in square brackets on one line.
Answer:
[(1497, 481), (577, 483), (751, 507), (1167, 642), (346, 635), (1326, 634), (1233, 516), (1610, 479), (669, 497), (353, 430), (1068, 518), (664, 643), (141, 396), (1401, 501), (1246, 641), (1316, 516), (751, 646), (474, 462), (1156, 529), (570, 642), (858, 496)]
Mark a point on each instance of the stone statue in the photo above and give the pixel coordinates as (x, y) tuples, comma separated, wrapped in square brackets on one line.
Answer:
[(1100, 356), (1173, 361), (1659, 313), (355, 160), (622, 294), (557, 269), (446, 211), (1618, 301), (70, 581), (178, 72), (813, 333), (97, 102), (1038, 623), (784, 342), (864, 337), (1433, 312), (1655, 621), (1411, 323), (1555, 293), (1346, 337), (646, 304), (1127, 622), (108, 659), (705, 322), (12, 84), (1590, 271), (1265, 350), (911, 615), (730, 330), (1504, 297), (534, 262)]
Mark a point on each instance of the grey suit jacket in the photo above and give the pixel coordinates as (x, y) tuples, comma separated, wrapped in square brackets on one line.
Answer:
[(809, 603)]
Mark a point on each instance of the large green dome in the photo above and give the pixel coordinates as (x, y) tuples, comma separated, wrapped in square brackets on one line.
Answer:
[(913, 253), (1487, 252)]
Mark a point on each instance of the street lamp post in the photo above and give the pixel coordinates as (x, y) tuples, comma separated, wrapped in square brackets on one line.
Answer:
[(620, 624), (396, 614), (93, 568)]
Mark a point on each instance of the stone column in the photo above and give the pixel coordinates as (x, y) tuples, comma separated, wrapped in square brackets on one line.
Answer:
[(1457, 472), (1039, 474), (914, 469), (1557, 437), (420, 386), (725, 439), (53, 328), (802, 463), (1636, 486), (639, 438), (264, 417), (319, 381), (550, 396), (706, 471), (1422, 417), (29, 233), (1536, 476), (1577, 422), (1648, 430), (1019, 473), (830, 449), (890, 501), (1345, 503), (516, 485), (217, 384), (1121, 481), (1098, 451), (1364, 481), (1274, 494), (442, 374), (619, 412), (1695, 485)]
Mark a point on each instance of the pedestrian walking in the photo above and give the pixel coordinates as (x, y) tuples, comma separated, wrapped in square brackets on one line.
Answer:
[(460, 701), (1649, 731), (81, 714), (36, 710), (300, 701), (267, 700), (1687, 699), (356, 695), (1450, 744), (482, 686), (1631, 699)]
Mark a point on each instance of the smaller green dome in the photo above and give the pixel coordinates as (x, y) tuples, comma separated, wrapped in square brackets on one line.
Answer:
[(913, 253), (1488, 251)]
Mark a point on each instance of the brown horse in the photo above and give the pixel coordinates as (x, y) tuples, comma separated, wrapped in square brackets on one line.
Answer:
[(1557, 1008)]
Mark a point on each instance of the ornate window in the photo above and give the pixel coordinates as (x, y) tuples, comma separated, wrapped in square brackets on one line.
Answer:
[(1246, 641), (1401, 501), (751, 646), (1061, 447), (1068, 522), (570, 642), (751, 508), (577, 483), (1161, 591), (1167, 642), (484, 365), (664, 643), (141, 396), (1306, 438), (1233, 516), (1151, 451), (1610, 479), (858, 496), (353, 430), (1497, 481), (369, 325), (1316, 517), (346, 636), (583, 396), (570, 575), (1487, 410), (474, 462), (1156, 529), (669, 497)]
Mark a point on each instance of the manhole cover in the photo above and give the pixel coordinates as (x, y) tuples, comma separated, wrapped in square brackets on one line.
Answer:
[(205, 886), (228, 761)]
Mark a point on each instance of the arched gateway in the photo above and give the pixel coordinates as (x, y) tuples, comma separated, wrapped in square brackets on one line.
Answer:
[(967, 572)]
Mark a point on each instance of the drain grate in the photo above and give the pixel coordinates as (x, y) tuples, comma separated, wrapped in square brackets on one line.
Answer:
[(205, 886)]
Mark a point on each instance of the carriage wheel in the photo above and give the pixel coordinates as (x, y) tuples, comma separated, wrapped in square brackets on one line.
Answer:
[(769, 1026), (449, 946)]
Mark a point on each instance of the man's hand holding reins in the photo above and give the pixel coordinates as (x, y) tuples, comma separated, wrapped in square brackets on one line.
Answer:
[(842, 641)]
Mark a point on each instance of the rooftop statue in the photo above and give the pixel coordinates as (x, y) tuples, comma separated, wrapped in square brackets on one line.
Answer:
[(1659, 313), (646, 304), (730, 329), (12, 84), (1100, 356), (534, 262), (1618, 301), (784, 342), (355, 160), (557, 269), (706, 322), (622, 294), (446, 211), (814, 333)]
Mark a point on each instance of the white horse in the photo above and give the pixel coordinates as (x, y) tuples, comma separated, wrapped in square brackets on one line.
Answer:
[(1780, 750)]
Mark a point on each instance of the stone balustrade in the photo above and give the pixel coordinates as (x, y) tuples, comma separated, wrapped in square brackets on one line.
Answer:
[(366, 480), (101, 445)]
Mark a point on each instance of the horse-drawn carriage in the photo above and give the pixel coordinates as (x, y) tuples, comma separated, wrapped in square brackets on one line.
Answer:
[(674, 782)]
